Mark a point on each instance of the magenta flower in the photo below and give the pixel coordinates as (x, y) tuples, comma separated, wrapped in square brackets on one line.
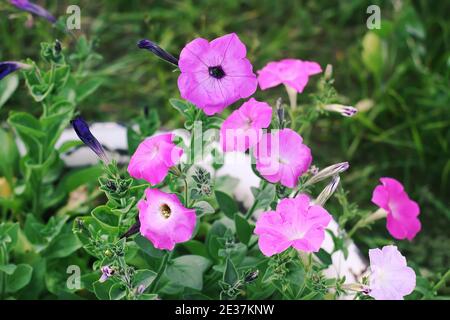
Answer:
[(33, 8), (282, 157), (296, 222), (402, 212), (243, 128), (154, 157), (290, 72), (164, 220), (391, 278), (215, 74)]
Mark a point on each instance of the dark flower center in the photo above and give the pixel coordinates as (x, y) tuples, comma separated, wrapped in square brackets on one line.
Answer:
[(216, 72), (165, 211)]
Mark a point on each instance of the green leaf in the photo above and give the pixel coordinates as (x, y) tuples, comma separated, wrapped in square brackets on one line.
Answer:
[(147, 296), (203, 207), (77, 178), (196, 247), (180, 105), (9, 155), (63, 246), (101, 289), (187, 271), (324, 257), (8, 86), (146, 246), (8, 268), (226, 204), (243, 228), (230, 275), (105, 216), (143, 278), (19, 279), (117, 291)]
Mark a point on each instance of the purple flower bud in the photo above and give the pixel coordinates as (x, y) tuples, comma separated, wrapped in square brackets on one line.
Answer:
[(107, 272), (7, 67), (33, 8), (157, 50), (328, 191), (82, 129), (328, 172)]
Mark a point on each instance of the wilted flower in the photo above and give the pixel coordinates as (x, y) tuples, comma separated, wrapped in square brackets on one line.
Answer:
[(327, 172), (154, 157), (215, 74), (107, 272), (7, 67), (33, 8), (296, 222), (243, 127), (402, 212), (391, 278), (158, 51), (293, 73), (282, 157), (82, 130), (346, 111), (164, 220), (328, 191)]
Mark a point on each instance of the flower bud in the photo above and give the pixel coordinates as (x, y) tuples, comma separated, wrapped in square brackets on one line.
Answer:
[(346, 111), (328, 172), (82, 130), (157, 50), (7, 67), (328, 191)]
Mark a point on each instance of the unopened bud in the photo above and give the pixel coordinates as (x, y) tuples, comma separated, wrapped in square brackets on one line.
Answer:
[(328, 191), (328, 172)]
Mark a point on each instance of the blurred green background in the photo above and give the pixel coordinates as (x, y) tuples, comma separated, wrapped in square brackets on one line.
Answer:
[(398, 76)]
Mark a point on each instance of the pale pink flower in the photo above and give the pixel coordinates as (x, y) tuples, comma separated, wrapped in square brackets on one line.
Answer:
[(402, 212), (164, 221), (215, 74), (391, 278), (296, 222), (243, 127), (282, 157), (154, 157), (293, 73)]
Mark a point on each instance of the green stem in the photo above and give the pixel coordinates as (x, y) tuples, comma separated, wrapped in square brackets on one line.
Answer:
[(250, 211), (186, 193), (442, 281), (379, 214), (162, 269)]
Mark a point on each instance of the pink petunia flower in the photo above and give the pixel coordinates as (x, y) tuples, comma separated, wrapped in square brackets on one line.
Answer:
[(293, 73), (282, 157), (402, 212), (296, 222), (215, 74), (243, 128), (391, 278), (154, 157), (164, 220)]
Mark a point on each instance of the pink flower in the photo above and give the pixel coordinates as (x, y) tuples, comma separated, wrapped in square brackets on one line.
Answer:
[(296, 223), (243, 128), (291, 72), (391, 278), (402, 212), (164, 220), (154, 157), (282, 157), (215, 74)]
